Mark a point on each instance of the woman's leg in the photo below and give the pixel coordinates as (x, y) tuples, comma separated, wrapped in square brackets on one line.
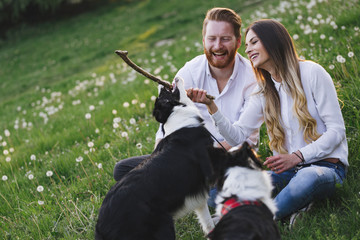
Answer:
[(126, 165), (308, 184)]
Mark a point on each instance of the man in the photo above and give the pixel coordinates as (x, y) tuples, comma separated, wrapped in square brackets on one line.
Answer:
[(221, 71)]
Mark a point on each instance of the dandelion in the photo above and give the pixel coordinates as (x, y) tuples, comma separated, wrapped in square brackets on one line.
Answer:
[(91, 107), (32, 157), (146, 81), (4, 144), (115, 125), (30, 176), (117, 120), (153, 98), (11, 149), (295, 37), (90, 144), (40, 188), (126, 104), (139, 146), (79, 159), (107, 145), (6, 152), (134, 101), (322, 36), (8, 159), (7, 133), (88, 116), (99, 165), (41, 202), (350, 54), (49, 173), (1, 137), (101, 102), (331, 67), (340, 59), (132, 121), (114, 112), (97, 131), (4, 178), (124, 134), (142, 105)]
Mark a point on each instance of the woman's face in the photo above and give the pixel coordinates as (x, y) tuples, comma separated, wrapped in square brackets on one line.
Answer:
[(256, 51)]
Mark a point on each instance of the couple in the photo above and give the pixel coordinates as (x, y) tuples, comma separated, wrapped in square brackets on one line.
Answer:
[(296, 99)]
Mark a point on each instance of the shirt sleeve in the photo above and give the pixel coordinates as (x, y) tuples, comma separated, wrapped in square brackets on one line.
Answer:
[(327, 105), (250, 120)]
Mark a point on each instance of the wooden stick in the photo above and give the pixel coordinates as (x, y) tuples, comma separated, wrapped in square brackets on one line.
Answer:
[(123, 55)]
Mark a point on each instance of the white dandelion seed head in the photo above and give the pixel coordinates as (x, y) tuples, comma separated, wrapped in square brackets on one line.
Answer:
[(79, 159), (153, 98), (32, 157), (7, 133), (90, 144), (4, 144), (107, 145), (1, 138), (8, 159), (99, 165), (40, 202), (322, 36), (4, 178), (134, 101), (11, 149), (114, 112), (142, 105), (30, 176), (124, 134), (340, 59), (146, 81), (6, 152), (49, 173), (132, 121), (87, 115), (138, 145), (91, 107), (350, 54), (331, 67), (115, 125), (126, 104), (97, 130)]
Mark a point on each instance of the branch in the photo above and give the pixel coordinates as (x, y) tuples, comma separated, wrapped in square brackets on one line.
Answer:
[(123, 55)]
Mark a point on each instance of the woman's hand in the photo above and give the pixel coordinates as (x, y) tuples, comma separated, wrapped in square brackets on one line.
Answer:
[(282, 162), (199, 96)]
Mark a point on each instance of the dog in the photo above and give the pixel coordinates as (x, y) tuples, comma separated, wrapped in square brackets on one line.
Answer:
[(244, 201), (172, 182)]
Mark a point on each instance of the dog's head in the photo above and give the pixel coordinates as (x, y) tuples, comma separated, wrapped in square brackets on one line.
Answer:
[(244, 157), (174, 109)]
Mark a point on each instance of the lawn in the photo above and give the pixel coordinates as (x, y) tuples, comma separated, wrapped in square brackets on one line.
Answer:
[(70, 108)]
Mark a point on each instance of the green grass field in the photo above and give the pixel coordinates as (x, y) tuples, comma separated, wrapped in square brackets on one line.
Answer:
[(70, 108)]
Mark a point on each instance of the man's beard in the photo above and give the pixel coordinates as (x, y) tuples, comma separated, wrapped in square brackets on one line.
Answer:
[(220, 64)]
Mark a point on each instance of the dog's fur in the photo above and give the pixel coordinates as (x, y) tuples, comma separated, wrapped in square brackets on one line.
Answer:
[(172, 182), (242, 180)]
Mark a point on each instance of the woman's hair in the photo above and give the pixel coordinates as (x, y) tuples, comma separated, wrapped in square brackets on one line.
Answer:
[(226, 15), (280, 48)]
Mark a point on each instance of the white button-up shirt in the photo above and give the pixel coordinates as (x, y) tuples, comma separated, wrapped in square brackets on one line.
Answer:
[(322, 104), (233, 98)]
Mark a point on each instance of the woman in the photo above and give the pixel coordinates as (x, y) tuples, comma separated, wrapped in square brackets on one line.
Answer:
[(297, 101)]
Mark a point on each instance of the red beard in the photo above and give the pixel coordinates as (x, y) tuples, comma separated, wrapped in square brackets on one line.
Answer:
[(230, 56)]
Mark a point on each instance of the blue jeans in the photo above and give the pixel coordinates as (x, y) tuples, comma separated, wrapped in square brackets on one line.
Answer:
[(298, 187)]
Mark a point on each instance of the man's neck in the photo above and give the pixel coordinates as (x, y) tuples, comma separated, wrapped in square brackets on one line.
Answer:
[(222, 75)]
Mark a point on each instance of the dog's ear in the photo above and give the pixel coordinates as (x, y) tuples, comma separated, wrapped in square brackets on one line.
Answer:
[(252, 155)]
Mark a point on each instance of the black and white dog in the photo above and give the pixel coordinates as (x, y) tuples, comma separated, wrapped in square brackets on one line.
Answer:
[(172, 182), (244, 201)]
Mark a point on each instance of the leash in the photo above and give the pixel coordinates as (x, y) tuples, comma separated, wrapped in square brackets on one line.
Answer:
[(213, 137)]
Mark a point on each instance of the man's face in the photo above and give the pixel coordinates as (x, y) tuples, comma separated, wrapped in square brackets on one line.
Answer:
[(220, 44)]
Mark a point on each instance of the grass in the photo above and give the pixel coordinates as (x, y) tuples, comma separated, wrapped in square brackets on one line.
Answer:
[(55, 73)]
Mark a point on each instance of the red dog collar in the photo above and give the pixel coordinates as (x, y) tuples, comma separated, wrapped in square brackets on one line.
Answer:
[(234, 202)]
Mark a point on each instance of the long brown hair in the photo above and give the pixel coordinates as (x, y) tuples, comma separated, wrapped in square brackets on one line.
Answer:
[(280, 47)]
